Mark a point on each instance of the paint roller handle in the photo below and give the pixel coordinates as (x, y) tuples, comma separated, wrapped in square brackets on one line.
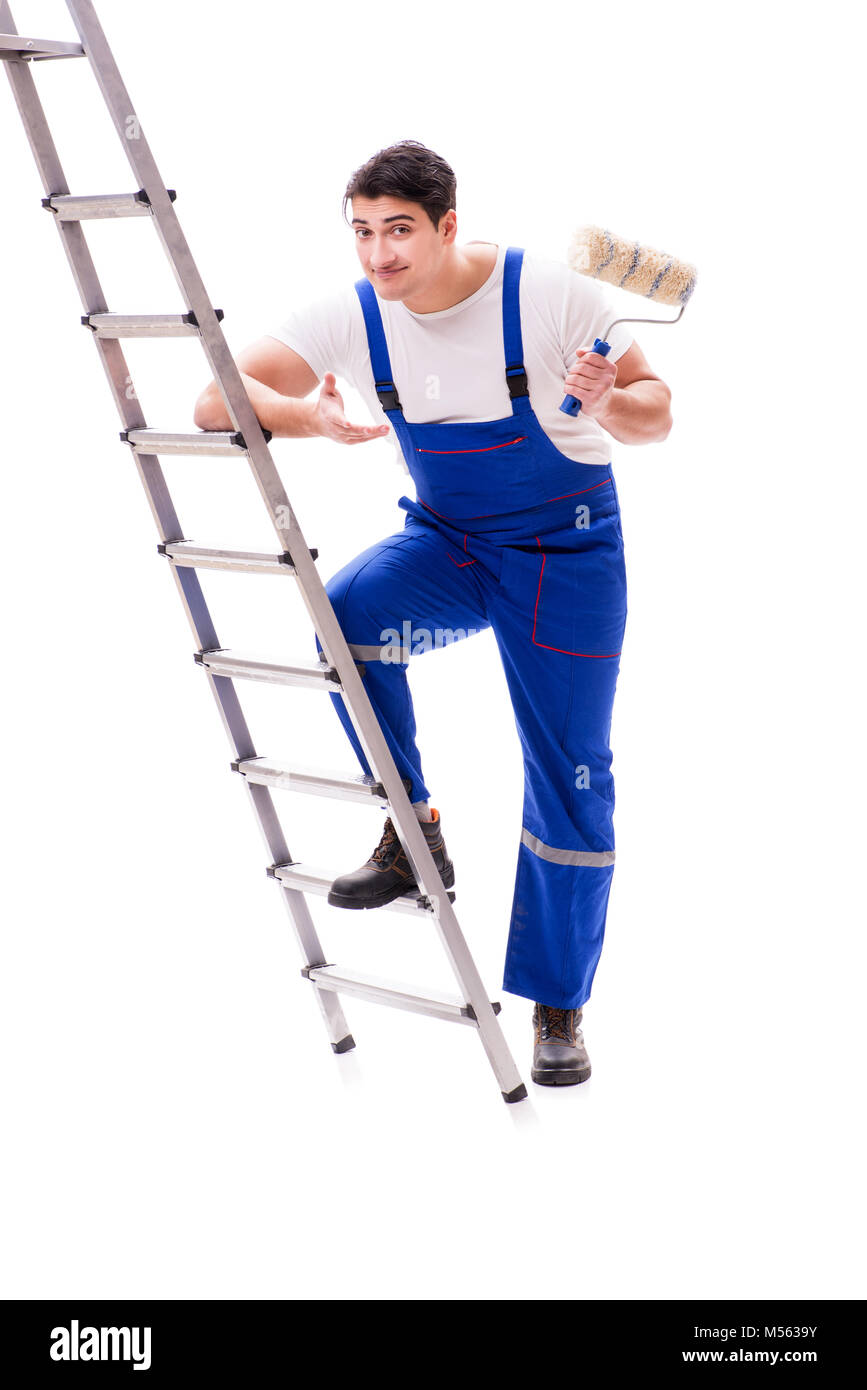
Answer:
[(571, 404)]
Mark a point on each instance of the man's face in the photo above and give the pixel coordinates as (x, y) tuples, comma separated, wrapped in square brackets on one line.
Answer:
[(400, 250)]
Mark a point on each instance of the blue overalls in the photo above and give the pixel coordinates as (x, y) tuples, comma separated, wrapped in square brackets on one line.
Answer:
[(506, 532)]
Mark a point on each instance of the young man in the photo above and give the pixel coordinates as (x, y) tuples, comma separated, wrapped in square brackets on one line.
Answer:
[(469, 350)]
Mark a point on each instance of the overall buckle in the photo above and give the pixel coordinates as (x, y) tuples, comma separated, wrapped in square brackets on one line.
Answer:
[(387, 393), (516, 380)]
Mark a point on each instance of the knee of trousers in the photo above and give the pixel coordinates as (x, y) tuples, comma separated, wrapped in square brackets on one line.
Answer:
[(386, 658), (567, 803), (367, 621)]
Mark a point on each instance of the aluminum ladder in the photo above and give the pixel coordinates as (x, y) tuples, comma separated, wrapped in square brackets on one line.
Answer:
[(249, 441)]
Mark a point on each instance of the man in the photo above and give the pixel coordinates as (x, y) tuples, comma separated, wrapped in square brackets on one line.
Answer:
[(468, 350)]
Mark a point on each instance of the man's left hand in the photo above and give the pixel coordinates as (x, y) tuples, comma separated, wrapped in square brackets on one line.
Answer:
[(592, 381)]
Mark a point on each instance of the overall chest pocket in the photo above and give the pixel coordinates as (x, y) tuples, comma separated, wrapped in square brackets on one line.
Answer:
[(478, 479), (570, 593)]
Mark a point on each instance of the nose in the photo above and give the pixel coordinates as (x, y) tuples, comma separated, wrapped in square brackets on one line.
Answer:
[(383, 257)]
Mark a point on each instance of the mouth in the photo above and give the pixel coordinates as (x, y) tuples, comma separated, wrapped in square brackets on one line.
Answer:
[(387, 274)]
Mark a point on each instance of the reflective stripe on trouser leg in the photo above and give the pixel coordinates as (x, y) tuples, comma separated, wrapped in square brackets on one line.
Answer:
[(584, 857)]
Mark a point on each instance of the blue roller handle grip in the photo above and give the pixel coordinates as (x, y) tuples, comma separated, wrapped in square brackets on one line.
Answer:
[(571, 404)]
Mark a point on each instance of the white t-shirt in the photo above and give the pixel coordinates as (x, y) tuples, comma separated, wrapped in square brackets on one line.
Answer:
[(449, 366)]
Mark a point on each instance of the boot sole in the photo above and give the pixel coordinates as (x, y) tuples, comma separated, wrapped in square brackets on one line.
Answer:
[(413, 891), (560, 1078)]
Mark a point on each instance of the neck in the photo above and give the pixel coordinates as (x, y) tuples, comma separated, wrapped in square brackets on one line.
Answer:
[(461, 274)]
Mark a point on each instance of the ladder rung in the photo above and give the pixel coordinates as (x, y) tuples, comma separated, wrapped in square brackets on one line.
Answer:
[(144, 325), (205, 442), (73, 208), (317, 781), (197, 557), (17, 46), (235, 664), (310, 879), (399, 996)]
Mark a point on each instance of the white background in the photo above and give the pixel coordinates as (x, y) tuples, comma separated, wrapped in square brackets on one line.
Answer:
[(176, 1124)]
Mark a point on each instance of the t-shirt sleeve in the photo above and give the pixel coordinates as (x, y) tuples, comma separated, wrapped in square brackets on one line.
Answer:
[(588, 311), (319, 332)]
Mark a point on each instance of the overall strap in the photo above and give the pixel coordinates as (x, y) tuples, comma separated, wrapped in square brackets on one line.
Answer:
[(379, 359), (516, 376)]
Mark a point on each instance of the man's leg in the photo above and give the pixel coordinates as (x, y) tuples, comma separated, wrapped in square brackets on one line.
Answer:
[(404, 594), (559, 618)]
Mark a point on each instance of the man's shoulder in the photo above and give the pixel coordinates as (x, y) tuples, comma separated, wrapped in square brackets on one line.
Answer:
[(550, 285), (545, 270), (552, 280), (324, 311), (333, 301)]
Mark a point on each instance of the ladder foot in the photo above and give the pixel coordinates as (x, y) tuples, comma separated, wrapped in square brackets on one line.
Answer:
[(519, 1093), (347, 1044)]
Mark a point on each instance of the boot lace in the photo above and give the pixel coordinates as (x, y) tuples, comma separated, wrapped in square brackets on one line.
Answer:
[(386, 844), (555, 1023)]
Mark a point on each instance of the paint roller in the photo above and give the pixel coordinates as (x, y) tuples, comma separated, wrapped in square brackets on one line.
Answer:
[(599, 253)]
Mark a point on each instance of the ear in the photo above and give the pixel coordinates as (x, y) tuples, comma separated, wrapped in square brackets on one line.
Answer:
[(449, 226)]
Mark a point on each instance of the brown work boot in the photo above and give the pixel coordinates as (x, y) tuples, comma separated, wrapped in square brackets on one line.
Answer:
[(388, 873), (559, 1055)]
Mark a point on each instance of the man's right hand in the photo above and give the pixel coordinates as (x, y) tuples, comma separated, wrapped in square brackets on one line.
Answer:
[(330, 420)]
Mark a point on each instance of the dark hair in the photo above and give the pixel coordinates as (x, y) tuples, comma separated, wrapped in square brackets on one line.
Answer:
[(406, 170)]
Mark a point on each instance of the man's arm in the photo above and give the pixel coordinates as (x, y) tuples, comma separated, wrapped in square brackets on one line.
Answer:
[(628, 399), (276, 379)]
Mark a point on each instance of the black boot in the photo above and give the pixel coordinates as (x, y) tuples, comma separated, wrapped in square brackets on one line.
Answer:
[(388, 873), (559, 1055)]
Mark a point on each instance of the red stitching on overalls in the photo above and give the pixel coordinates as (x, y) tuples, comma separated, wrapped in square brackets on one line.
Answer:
[(481, 516), (592, 487), (486, 449), (595, 656), (434, 510), (462, 563)]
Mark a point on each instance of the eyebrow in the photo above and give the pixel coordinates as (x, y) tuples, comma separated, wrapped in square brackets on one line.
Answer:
[(401, 217)]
